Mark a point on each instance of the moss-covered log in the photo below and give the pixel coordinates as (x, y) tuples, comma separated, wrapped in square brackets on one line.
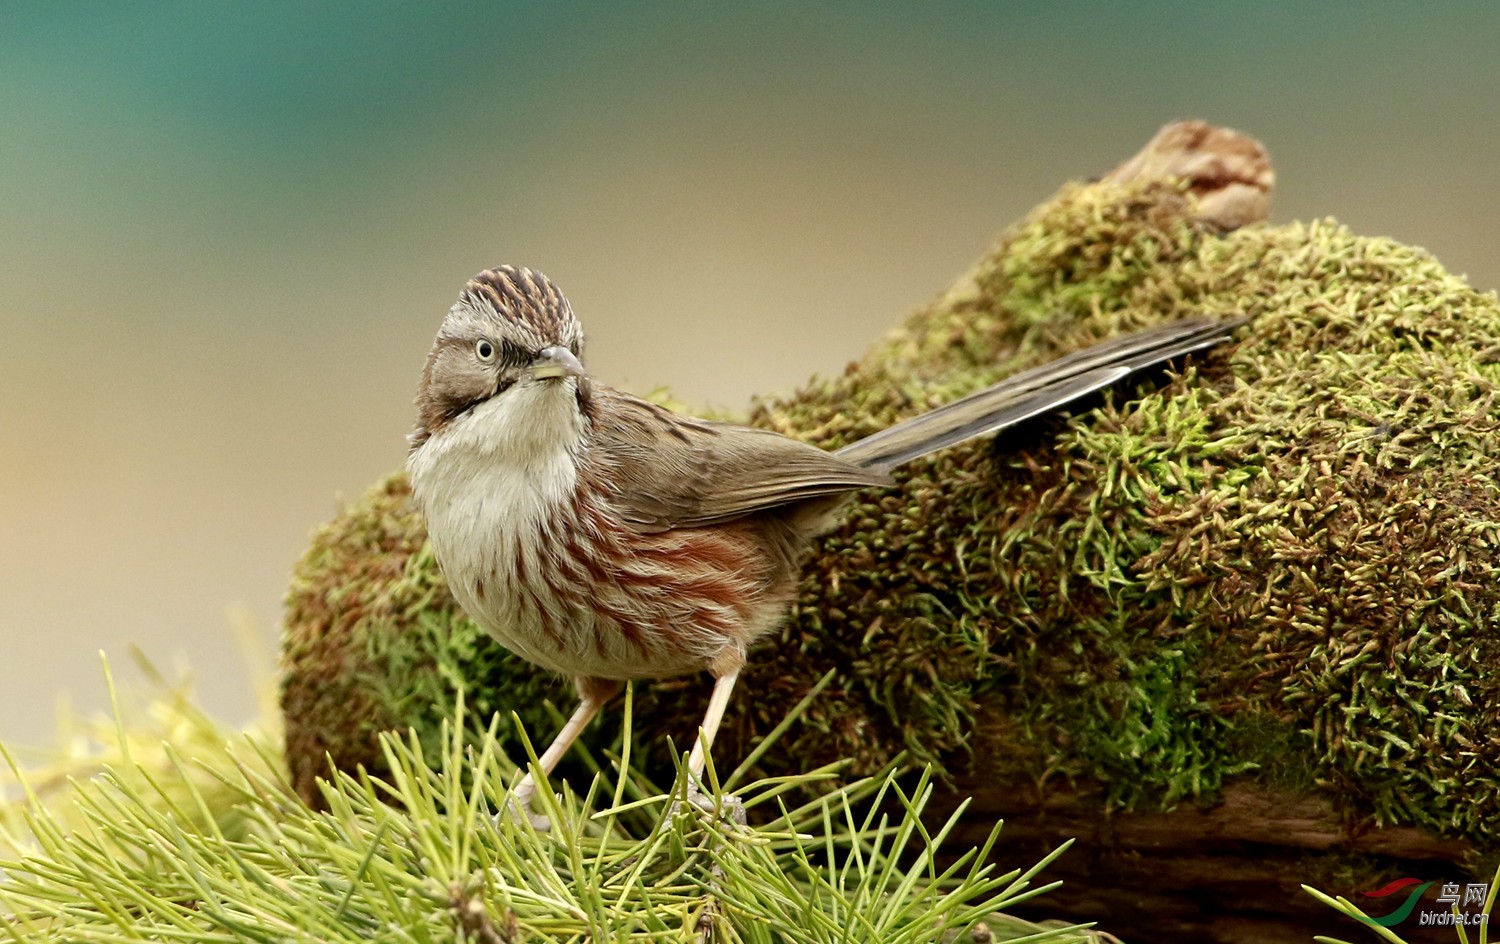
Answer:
[(1258, 591)]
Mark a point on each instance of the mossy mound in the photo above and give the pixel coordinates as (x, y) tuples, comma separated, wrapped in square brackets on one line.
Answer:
[(1279, 563)]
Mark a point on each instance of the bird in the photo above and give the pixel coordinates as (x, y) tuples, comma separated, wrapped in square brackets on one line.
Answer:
[(606, 538)]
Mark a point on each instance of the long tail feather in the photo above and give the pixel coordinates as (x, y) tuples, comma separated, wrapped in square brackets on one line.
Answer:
[(1036, 391)]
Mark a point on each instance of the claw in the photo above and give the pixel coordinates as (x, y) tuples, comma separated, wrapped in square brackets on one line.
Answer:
[(726, 805), (518, 807)]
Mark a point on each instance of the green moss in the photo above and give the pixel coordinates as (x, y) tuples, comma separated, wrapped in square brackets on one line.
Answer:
[(1278, 563)]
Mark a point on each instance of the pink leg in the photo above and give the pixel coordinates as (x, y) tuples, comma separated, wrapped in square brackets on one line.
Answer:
[(593, 694), (717, 702)]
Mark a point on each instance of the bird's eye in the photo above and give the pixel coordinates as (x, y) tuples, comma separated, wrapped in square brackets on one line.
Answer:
[(484, 350)]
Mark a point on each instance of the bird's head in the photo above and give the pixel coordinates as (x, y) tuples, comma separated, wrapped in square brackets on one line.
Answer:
[(510, 330)]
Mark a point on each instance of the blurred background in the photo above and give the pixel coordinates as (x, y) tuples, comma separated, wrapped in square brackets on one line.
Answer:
[(229, 231)]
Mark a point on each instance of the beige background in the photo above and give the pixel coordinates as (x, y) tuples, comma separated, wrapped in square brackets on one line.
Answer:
[(229, 233)]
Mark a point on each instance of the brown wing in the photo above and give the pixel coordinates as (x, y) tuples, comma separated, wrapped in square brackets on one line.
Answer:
[(670, 471)]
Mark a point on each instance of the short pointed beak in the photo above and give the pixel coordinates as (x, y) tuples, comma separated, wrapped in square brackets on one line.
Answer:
[(556, 362)]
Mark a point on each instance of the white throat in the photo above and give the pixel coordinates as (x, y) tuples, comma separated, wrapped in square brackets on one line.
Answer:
[(519, 448), (487, 483)]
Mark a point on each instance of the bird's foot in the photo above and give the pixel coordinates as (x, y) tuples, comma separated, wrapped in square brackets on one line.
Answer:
[(518, 807), (727, 806)]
